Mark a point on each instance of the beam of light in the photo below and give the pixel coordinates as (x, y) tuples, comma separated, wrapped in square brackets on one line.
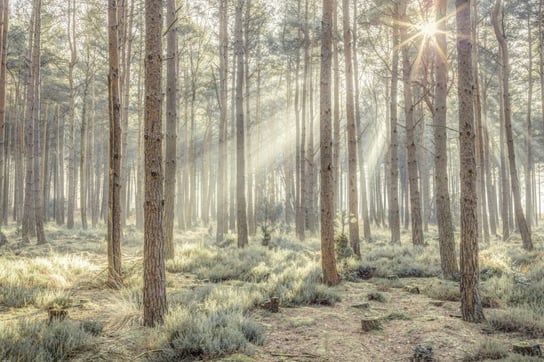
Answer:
[(427, 29)]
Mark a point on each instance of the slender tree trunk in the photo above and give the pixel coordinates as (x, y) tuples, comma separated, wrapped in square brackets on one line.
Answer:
[(83, 162), (393, 194), (328, 261), (358, 122), (171, 136), (352, 134), (30, 113), (222, 201), (336, 109), (4, 23), (471, 306), (252, 227), (528, 134), (411, 151), (446, 239), (72, 41), (114, 184), (36, 184), (240, 140), (299, 210), (503, 47)]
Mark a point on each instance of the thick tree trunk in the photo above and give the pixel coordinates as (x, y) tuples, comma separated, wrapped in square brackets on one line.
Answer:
[(171, 136), (352, 134), (328, 261), (411, 151), (503, 47), (154, 298), (471, 306), (446, 239)]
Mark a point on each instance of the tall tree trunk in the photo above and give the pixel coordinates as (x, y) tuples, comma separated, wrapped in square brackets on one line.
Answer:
[(528, 134), (4, 22), (352, 134), (241, 219), (30, 113), (72, 41), (471, 306), (114, 184), (393, 194), (222, 200), (36, 184), (503, 48), (299, 211), (480, 174), (446, 239), (252, 227), (411, 151), (328, 261), (154, 298), (171, 136), (336, 110), (83, 162), (358, 122)]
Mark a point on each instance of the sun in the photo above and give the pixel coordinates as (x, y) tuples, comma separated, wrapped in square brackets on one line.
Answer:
[(427, 29)]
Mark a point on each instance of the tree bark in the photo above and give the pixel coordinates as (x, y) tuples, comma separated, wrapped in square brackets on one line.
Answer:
[(503, 48), (328, 261), (114, 184), (471, 306), (352, 134), (446, 239), (222, 200), (393, 194), (171, 136), (154, 298), (411, 151), (241, 219), (72, 41), (4, 19)]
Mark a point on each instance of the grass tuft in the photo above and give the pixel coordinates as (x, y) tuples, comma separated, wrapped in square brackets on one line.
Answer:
[(39, 341), (489, 349)]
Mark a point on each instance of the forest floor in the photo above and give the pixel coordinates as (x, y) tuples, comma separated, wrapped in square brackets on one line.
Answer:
[(412, 311)]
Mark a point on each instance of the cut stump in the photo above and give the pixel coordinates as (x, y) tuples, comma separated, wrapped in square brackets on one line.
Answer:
[(371, 324), (273, 305), (56, 315)]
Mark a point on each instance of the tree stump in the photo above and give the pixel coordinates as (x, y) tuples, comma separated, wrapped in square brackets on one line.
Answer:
[(273, 305), (527, 349), (56, 314), (392, 277), (371, 324)]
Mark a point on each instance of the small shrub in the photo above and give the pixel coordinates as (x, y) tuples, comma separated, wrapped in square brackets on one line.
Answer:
[(92, 327), (377, 296), (444, 290), (341, 247), (523, 320), (489, 349), (39, 341), (205, 334), (14, 296)]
